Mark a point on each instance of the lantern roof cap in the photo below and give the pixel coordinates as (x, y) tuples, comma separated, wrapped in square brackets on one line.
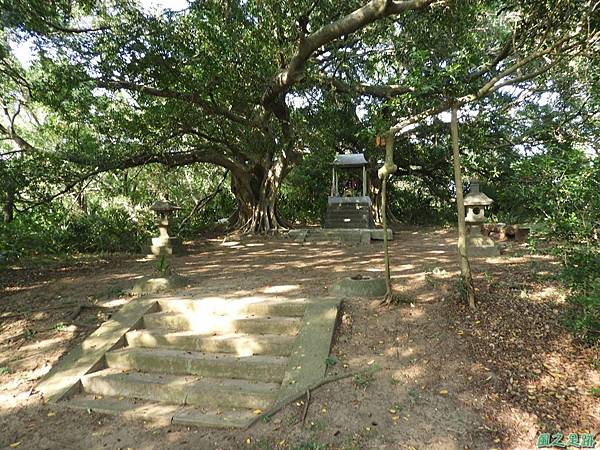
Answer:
[(475, 197), (351, 160), (163, 206)]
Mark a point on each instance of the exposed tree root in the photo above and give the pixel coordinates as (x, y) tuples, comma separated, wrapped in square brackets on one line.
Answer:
[(260, 222), (291, 398), (388, 298), (306, 406)]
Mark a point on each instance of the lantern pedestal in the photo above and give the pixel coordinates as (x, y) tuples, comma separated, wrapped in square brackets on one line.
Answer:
[(479, 244), (153, 285), (166, 247)]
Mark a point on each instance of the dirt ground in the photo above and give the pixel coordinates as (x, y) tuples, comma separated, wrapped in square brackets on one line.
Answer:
[(449, 378)]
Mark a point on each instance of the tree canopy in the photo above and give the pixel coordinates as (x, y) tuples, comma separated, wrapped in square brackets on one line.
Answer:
[(261, 89)]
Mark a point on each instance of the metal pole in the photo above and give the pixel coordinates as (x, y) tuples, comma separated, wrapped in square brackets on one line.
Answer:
[(336, 193), (332, 181), (364, 181)]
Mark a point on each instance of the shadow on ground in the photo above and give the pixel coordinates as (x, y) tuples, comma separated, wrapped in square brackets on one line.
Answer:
[(449, 378)]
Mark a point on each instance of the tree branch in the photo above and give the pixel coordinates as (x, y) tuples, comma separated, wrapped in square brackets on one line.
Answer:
[(21, 143), (204, 201), (68, 188), (504, 52), (494, 84), (193, 98), (381, 91), (64, 29), (369, 13)]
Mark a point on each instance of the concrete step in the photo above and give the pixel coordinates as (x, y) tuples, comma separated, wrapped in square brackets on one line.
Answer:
[(346, 225), (130, 408), (348, 206), (163, 413), (223, 324), (352, 210), (240, 344), (233, 418), (347, 213), (358, 222), (182, 390), (341, 214), (180, 362), (258, 306)]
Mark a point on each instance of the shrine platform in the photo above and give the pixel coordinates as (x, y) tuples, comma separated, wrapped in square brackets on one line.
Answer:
[(363, 236)]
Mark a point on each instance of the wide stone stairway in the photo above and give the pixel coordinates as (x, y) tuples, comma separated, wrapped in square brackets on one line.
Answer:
[(205, 362)]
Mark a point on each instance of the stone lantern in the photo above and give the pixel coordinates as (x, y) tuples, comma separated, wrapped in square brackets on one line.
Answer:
[(475, 203), (164, 244)]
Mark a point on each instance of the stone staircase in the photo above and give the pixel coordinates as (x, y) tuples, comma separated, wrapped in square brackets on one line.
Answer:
[(349, 215), (196, 362)]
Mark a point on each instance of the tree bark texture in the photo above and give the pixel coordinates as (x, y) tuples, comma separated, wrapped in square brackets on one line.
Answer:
[(256, 193), (8, 211), (465, 266), (384, 172)]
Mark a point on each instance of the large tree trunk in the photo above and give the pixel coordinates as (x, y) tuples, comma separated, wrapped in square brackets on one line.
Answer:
[(9, 206), (256, 192)]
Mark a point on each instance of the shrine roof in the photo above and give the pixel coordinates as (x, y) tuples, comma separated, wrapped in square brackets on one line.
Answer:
[(352, 160), (164, 206)]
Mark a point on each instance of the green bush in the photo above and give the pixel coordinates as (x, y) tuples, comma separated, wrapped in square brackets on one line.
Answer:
[(56, 230), (106, 230), (303, 195), (581, 273), (413, 202), (585, 321), (560, 188), (581, 269)]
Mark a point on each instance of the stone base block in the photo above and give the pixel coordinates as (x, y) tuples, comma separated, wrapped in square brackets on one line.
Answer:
[(377, 234), (359, 286), (482, 246), (170, 242), (298, 235), (162, 247), (363, 236), (152, 285)]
